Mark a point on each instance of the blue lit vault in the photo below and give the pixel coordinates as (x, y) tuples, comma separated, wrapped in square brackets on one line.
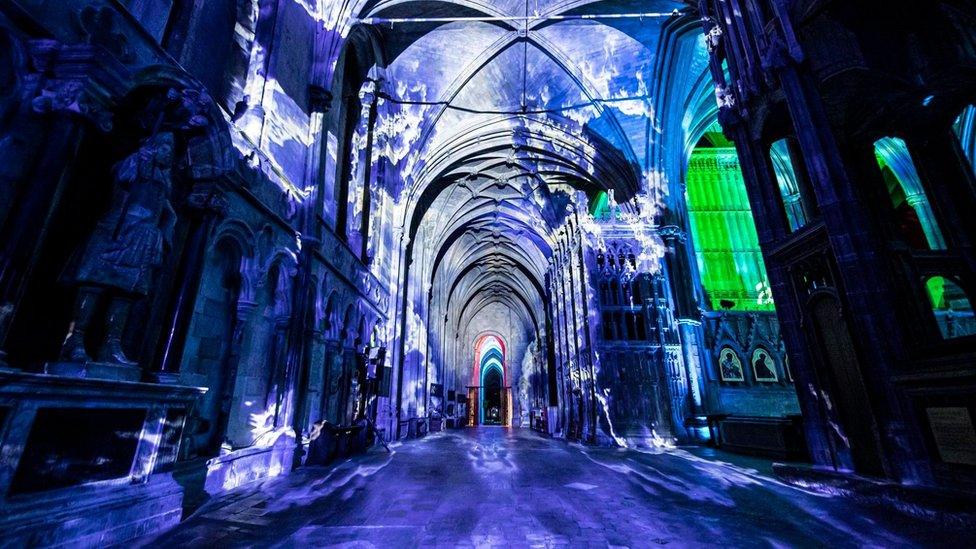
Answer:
[(240, 237)]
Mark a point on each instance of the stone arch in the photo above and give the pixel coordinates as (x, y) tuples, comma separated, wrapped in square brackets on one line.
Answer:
[(362, 333), (239, 232), (480, 341), (215, 346), (347, 332), (278, 276), (330, 320), (354, 69), (209, 150), (322, 292), (242, 237)]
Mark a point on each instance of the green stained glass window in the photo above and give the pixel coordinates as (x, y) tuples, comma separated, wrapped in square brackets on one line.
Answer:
[(789, 184), (952, 308), (724, 232), (600, 205), (913, 213)]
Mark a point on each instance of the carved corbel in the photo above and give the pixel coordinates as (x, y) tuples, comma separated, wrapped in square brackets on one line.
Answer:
[(208, 199), (71, 97), (775, 57)]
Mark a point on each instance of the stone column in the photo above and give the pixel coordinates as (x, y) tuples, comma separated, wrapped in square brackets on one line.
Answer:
[(859, 256), (771, 228), (359, 188), (589, 335), (206, 204), (242, 320), (301, 334), (687, 310)]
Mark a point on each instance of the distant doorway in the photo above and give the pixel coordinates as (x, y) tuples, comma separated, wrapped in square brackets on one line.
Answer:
[(491, 404), (489, 395), (491, 398)]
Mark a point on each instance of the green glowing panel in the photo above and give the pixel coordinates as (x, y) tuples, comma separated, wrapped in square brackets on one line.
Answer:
[(600, 205), (936, 288), (724, 232)]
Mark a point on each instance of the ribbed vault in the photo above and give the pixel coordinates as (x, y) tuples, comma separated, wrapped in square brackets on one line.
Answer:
[(495, 125)]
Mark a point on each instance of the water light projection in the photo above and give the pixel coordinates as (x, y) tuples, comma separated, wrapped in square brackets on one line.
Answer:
[(240, 237), (502, 140)]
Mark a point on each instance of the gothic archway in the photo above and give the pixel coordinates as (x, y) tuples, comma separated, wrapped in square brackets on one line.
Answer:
[(492, 393)]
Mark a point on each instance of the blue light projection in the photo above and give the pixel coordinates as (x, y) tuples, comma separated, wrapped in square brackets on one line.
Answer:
[(474, 150)]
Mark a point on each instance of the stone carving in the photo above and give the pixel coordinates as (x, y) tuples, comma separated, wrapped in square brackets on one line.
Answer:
[(70, 96), (126, 247)]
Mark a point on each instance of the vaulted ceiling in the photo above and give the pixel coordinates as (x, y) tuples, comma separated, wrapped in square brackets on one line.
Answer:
[(496, 122)]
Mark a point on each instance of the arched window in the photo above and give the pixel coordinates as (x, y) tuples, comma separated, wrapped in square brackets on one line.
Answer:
[(913, 212), (351, 134), (627, 295), (965, 129), (951, 306), (631, 326), (636, 292), (723, 228), (604, 292), (791, 177)]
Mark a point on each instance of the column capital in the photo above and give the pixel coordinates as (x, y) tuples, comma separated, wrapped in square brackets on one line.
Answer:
[(207, 198)]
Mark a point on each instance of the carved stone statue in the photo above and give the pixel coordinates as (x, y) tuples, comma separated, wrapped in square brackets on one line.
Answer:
[(126, 247)]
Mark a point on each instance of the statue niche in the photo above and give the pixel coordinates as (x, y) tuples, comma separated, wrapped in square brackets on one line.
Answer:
[(127, 246)]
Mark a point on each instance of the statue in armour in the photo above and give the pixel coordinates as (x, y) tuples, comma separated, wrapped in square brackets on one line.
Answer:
[(126, 247)]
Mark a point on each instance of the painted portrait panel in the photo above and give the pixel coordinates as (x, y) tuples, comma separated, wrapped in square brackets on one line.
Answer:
[(730, 365)]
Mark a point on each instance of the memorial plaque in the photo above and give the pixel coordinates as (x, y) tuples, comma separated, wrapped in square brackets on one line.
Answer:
[(954, 434)]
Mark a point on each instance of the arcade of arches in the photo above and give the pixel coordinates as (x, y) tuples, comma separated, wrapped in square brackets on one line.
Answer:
[(250, 239)]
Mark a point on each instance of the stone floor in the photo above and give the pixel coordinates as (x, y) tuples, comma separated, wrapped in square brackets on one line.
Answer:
[(511, 488)]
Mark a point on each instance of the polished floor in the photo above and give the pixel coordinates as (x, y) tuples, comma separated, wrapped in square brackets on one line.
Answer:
[(495, 487)]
